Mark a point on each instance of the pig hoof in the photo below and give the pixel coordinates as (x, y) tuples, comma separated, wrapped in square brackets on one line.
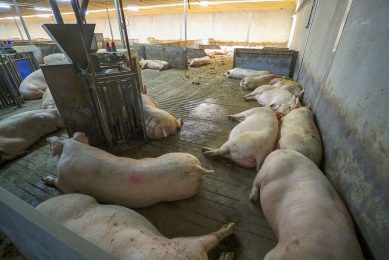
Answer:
[(227, 229), (227, 256), (254, 194), (208, 151), (50, 180)]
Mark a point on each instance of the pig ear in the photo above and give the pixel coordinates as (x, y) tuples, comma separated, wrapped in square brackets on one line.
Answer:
[(80, 137), (55, 145), (179, 123)]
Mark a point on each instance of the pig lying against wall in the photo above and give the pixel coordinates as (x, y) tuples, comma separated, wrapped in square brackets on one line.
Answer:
[(159, 123), (251, 140), (299, 132), (20, 131), (154, 64), (197, 62), (123, 232), (239, 73), (278, 99), (123, 181), (305, 212), (287, 84)]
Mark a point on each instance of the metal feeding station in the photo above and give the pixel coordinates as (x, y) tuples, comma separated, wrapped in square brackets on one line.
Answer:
[(103, 101)]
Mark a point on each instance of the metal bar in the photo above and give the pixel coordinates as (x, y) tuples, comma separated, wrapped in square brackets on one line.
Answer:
[(185, 25), (17, 26), (56, 12), (22, 21), (84, 7), (119, 23), (125, 32), (249, 28), (40, 237), (109, 22)]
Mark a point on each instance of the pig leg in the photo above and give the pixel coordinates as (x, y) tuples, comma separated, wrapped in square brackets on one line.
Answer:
[(50, 181), (227, 256), (223, 151), (211, 240), (248, 98), (254, 194)]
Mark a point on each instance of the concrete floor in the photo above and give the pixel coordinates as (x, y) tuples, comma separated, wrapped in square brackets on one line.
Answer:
[(203, 97)]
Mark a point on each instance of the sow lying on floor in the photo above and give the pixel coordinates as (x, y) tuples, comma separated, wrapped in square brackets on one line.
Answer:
[(123, 232), (239, 73), (304, 210), (20, 131), (123, 181)]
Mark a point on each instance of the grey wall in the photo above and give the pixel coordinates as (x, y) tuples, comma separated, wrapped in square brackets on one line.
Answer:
[(349, 92)]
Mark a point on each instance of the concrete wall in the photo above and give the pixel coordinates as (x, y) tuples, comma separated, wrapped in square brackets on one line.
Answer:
[(266, 26), (349, 91)]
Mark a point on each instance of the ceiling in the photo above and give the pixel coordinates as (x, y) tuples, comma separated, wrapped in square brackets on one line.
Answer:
[(147, 7)]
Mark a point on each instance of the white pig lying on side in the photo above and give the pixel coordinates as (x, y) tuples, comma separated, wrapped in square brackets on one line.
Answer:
[(20, 131), (56, 59), (197, 62), (289, 85), (254, 82), (159, 123), (242, 73), (123, 181), (251, 140), (280, 100), (48, 101), (33, 86), (123, 232), (213, 52), (299, 132), (304, 210), (154, 64)]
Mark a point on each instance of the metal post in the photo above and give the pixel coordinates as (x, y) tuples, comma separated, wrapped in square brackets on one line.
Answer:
[(22, 21), (17, 26), (185, 31), (56, 11), (248, 29), (120, 24), (109, 21)]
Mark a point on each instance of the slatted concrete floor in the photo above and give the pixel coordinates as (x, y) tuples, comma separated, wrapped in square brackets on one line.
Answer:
[(203, 97)]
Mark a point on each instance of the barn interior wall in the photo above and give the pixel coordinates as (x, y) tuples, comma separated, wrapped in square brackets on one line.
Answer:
[(348, 88), (266, 26)]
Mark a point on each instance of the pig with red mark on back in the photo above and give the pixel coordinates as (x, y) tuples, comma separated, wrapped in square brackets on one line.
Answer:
[(305, 212), (124, 233), (123, 181)]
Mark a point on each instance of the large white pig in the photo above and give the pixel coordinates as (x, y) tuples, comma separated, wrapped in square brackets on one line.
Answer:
[(280, 100), (299, 132), (289, 85), (123, 181), (197, 62), (48, 101), (123, 232), (254, 82), (20, 131), (304, 210), (239, 73), (213, 52), (33, 86), (159, 123), (56, 59), (251, 140), (154, 64)]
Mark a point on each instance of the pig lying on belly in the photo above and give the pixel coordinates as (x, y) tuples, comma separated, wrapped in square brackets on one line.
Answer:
[(20, 131), (299, 132), (123, 232), (304, 210), (159, 123), (198, 62), (123, 181), (251, 140)]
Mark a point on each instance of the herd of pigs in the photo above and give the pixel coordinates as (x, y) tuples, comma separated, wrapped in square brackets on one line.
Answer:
[(279, 138)]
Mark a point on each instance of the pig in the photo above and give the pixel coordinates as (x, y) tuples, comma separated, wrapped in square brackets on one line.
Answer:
[(33, 86), (159, 123), (304, 210), (213, 52), (56, 59), (239, 73), (125, 233), (20, 131), (154, 64), (47, 100), (251, 140), (280, 100), (254, 82), (289, 85), (299, 132), (197, 62), (123, 181)]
